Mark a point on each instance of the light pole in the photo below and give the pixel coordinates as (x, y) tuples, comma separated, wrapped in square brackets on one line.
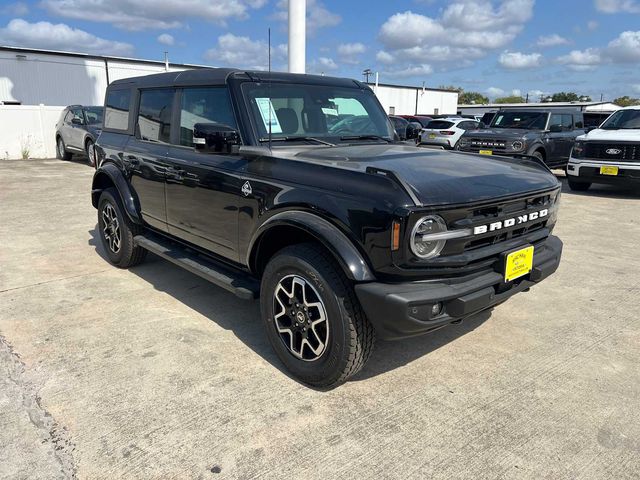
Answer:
[(297, 35)]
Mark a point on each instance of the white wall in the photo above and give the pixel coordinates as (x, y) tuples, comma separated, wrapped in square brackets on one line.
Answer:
[(58, 79), (30, 128), (402, 100)]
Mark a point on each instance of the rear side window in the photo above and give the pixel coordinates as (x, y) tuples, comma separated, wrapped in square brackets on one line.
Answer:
[(154, 115), (116, 112), (438, 125), (204, 105)]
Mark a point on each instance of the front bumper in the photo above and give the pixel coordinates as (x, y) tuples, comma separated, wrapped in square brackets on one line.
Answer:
[(404, 310), (587, 170)]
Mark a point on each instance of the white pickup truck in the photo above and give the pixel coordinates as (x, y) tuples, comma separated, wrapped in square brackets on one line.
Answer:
[(608, 154)]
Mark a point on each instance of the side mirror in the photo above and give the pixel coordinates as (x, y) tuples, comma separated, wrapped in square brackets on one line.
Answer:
[(481, 126), (555, 128), (214, 137), (77, 121)]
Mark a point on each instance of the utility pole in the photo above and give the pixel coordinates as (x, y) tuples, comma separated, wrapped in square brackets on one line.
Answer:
[(366, 74), (297, 35)]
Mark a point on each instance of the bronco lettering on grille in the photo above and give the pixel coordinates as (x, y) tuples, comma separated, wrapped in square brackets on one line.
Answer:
[(510, 222)]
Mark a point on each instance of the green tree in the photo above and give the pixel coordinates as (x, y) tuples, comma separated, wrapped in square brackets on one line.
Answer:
[(470, 98), (569, 97), (451, 87), (626, 101), (510, 99)]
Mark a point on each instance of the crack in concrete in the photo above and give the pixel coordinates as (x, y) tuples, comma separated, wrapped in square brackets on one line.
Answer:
[(52, 432)]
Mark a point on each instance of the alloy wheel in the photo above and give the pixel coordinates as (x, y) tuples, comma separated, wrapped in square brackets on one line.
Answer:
[(300, 318), (111, 227)]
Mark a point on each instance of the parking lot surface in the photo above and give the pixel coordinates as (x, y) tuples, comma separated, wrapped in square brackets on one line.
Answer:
[(154, 373)]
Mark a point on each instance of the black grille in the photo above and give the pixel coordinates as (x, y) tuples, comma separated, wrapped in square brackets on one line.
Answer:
[(479, 143), (625, 152)]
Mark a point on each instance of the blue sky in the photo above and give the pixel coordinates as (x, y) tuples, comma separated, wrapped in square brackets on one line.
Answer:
[(496, 47)]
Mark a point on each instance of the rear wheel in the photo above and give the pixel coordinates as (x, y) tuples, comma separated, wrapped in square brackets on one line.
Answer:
[(117, 231), (90, 151), (313, 319), (61, 150), (577, 185)]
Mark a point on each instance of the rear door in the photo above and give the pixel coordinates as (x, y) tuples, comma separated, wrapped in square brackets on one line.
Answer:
[(75, 130), (203, 187), (146, 153)]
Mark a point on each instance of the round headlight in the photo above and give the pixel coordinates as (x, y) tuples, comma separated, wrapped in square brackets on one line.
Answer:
[(423, 246), (517, 145)]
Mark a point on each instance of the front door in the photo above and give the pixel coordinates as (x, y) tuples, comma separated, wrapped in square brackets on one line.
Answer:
[(203, 188)]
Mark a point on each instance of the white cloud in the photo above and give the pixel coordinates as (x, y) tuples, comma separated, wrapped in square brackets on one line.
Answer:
[(349, 52), (17, 9), (636, 88), (322, 65), (242, 52), (147, 14), (494, 92), (552, 40), (465, 30), (318, 16), (592, 25), (519, 60), (59, 36), (625, 48), (411, 71), (166, 39), (617, 6)]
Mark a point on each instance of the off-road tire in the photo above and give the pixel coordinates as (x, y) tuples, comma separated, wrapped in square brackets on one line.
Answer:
[(537, 154), (61, 149), (578, 186), (127, 254), (351, 336)]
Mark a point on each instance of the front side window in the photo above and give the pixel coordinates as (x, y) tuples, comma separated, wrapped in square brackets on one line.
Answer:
[(154, 115), (204, 105), (319, 111), (116, 114)]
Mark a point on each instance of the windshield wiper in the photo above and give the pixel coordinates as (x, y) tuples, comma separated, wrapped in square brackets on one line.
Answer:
[(297, 138), (366, 137)]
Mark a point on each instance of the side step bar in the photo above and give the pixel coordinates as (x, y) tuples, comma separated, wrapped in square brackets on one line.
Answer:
[(242, 285)]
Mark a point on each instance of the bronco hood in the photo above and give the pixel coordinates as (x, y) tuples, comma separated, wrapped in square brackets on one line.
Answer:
[(437, 176)]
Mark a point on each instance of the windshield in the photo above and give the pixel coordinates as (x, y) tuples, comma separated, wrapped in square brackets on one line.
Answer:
[(316, 112), (623, 119), (94, 115), (527, 120)]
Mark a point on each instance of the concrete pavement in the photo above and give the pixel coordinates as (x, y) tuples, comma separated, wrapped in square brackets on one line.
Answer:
[(154, 373)]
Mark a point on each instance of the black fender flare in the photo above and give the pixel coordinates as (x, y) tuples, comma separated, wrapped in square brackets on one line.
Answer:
[(116, 177), (343, 250), (538, 145)]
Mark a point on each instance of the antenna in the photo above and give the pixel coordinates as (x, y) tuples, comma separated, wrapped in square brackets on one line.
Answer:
[(269, 88)]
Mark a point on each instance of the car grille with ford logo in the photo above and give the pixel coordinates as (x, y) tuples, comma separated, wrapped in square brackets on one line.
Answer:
[(613, 151)]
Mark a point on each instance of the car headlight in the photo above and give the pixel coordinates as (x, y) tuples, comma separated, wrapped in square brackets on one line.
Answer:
[(517, 145), (578, 149), (425, 241)]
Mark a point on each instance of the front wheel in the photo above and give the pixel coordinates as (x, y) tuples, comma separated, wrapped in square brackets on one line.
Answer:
[(313, 319), (578, 186), (91, 153)]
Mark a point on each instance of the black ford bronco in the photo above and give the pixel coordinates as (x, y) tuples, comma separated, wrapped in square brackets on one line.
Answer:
[(292, 188), (548, 135)]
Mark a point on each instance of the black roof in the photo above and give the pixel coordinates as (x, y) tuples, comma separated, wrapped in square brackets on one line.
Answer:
[(537, 109), (219, 76)]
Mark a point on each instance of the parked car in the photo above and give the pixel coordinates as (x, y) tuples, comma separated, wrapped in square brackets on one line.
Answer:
[(343, 236), (405, 129), (77, 130), (547, 135), (447, 131), (421, 119), (609, 154)]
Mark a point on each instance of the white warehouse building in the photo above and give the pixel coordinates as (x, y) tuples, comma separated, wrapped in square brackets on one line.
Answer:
[(36, 84)]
